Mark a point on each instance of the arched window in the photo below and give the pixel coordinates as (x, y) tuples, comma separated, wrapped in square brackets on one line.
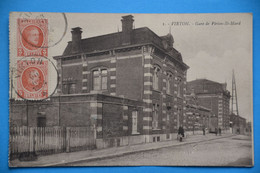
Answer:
[(179, 114), (168, 82), (155, 116), (156, 77), (179, 87), (99, 76)]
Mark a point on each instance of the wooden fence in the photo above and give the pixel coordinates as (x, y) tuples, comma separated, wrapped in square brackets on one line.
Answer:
[(49, 140)]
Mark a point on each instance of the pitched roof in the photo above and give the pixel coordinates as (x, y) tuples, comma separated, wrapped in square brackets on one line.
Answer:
[(140, 36), (206, 86), (204, 81)]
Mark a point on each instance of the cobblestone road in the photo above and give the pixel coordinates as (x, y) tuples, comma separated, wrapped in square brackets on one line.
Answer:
[(232, 151)]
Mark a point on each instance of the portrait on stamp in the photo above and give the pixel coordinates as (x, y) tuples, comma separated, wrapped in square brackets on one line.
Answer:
[(32, 79), (32, 37)]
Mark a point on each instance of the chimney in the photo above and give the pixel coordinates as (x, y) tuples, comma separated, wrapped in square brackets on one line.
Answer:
[(127, 27), (76, 39)]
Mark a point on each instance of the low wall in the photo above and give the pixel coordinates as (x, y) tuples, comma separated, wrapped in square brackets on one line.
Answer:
[(133, 140), (195, 132), (119, 141)]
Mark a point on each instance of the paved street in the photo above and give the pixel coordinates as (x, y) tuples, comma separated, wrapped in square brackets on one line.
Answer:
[(232, 151)]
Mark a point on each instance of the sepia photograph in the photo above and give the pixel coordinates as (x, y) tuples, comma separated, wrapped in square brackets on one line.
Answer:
[(100, 89)]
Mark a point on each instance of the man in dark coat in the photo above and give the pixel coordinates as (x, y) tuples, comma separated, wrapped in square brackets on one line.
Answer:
[(219, 131), (216, 131), (181, 133)]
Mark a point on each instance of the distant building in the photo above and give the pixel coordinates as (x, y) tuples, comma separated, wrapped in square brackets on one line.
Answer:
[(214, 96), (130, 86), (197, 117), (249, 127), (238, 124)]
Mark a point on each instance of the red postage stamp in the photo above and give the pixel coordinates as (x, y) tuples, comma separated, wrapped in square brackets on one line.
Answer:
[(32, 79), (32, 37)]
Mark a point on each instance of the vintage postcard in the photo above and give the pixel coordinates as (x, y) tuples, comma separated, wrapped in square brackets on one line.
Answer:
[(130, 89)]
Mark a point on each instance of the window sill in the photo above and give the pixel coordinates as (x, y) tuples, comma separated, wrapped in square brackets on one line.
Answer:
[(98, 91), (180, 97), (168, 94), (135, 133), (156, 129), (156, 91)]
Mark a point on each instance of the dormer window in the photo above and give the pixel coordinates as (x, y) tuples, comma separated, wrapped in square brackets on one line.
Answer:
[(99, 79)]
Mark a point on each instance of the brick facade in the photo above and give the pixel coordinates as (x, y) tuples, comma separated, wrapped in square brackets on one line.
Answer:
[(106, 114), (214, 96), (134, 66), (197, 116)]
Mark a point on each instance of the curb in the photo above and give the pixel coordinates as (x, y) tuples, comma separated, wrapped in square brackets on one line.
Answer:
[(95, 158)]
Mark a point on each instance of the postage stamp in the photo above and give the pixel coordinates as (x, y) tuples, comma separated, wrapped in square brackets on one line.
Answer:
[(32, 37), (32, 79)]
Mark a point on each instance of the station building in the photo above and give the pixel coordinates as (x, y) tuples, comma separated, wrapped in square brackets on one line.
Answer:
[(129, 86)]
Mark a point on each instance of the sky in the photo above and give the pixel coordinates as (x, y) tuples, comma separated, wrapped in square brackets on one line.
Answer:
[(209, 44)]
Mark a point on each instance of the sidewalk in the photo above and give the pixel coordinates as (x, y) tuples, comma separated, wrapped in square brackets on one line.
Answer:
[(90, 155)]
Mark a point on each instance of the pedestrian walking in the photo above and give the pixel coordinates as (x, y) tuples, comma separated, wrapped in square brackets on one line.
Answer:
[(238, 131), (180, 133), (216, 131), (203, 129), (219, 131)]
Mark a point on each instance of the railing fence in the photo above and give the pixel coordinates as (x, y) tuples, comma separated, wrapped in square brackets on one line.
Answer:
[(49, 140)]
